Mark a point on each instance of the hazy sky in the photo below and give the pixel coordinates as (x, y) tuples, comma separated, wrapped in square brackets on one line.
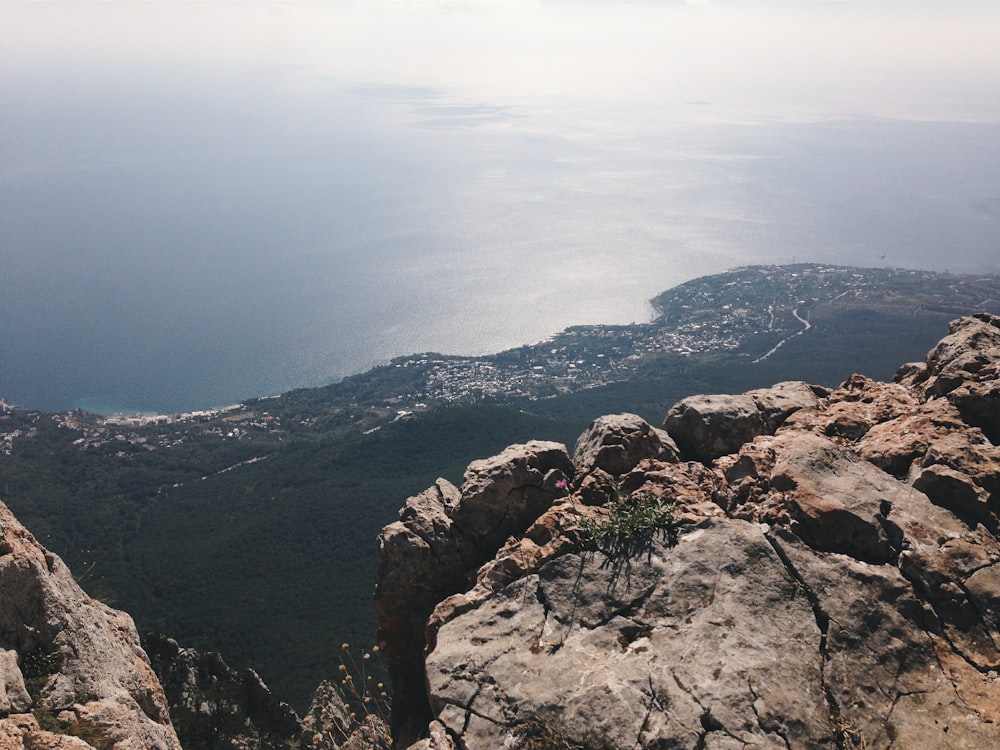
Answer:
[(744, 59), (201, 202)]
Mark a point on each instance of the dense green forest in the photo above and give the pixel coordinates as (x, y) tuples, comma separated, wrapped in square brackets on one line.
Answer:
[(272, 563), (252, 532)]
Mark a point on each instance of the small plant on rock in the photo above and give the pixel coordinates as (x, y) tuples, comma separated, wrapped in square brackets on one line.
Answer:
[(538, 734), (37, 666), (353, 713), (631, 526), (845, 735)]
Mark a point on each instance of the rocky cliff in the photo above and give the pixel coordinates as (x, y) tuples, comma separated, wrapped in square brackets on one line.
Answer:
[(72, 672), (214, 706), (791, 567)]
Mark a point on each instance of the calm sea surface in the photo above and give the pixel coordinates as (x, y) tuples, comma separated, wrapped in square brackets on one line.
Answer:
[(201, 204)]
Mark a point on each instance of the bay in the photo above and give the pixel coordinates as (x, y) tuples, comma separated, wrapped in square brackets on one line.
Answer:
[(204, 204)]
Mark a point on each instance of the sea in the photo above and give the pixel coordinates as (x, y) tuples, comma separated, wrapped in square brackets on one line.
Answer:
[(202, 203)]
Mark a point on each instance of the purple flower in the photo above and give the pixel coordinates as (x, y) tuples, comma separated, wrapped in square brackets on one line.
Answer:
[(561, 484)]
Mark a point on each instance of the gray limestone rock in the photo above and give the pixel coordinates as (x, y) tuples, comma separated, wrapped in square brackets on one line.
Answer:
[(965, 367), (781, 400), (884, 682), (984, 588), (839, 502), (842, 504), (442, 538), (14, 696), (641, 653), (969, 353), (212, 704), (616, 443), (956, 491), (503, 495), (979, 404), (707, 427), (422, 560), (710, 426)]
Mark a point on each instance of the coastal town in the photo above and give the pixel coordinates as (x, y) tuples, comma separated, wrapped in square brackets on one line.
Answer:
[(747, 311), (751, 311)]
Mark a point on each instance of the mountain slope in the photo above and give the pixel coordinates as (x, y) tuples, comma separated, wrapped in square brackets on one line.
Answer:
[(233, 529)]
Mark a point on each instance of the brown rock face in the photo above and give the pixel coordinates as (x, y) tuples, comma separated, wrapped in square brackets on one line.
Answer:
[(442, 538), (835, 582), (965, 367), (72, 672)]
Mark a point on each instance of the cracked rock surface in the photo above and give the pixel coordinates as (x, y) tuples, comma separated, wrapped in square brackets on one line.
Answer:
[(835, 581), (647, 653)]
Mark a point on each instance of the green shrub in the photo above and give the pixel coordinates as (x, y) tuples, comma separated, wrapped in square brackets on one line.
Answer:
[(538, 734), (631, 526)]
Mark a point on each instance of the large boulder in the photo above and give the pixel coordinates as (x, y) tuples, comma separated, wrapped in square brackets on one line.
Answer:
[(965, 367), (422, 560), (609, 660), (504, 494), (969, 353), (706, 427), (617, 442), (72, 671)]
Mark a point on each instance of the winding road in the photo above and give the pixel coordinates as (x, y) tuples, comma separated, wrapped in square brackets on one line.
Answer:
[(806, 326)]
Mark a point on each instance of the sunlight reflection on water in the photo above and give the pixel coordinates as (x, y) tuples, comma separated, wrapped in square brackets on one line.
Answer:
[(204, 204)]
